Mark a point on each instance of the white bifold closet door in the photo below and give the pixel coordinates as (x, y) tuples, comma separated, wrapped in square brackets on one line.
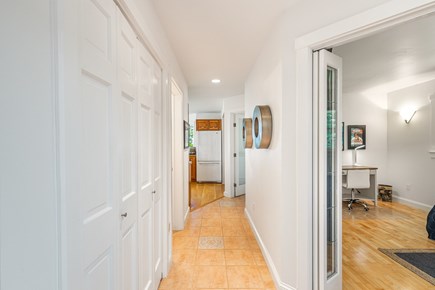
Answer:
[(128, 131), (157, 176), (146, 175), (141, 118), (113, 153)]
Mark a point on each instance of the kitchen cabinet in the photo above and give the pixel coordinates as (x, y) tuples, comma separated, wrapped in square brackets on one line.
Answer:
[(192, 159), (208, 125)]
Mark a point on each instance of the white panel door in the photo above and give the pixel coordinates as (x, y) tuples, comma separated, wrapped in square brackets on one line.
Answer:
[(127, 75), (157, 170), (146, 182), (113, 156), (327, 202), (92, 212)]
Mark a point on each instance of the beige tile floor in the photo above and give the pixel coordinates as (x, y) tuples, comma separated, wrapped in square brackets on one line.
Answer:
[(217, 250)]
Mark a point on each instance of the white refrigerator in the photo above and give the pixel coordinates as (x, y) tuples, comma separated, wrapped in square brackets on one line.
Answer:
[(209, 156)]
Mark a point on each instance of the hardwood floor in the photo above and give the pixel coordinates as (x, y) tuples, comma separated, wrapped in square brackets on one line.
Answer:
[(205, 193), (217, 250), (390, 225)]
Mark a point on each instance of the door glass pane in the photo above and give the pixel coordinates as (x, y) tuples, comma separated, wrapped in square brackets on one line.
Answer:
[(331, 170)]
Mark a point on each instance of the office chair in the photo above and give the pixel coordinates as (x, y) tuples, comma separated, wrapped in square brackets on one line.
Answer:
[(357, 179)]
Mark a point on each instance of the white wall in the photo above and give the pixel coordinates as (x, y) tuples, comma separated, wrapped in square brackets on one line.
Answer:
[(410, 167), (28, 172), (271, 174), (400, 151), (208, 115), (230, 105), (179, 194), (359, 110)]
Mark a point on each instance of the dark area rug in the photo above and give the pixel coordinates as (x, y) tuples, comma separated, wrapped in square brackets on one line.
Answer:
[(419, 261)]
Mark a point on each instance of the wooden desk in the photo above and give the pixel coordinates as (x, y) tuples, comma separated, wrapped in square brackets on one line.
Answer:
[(368, 193)]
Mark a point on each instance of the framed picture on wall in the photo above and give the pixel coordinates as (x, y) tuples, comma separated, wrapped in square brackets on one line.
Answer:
[(186, 134), (356, 136)]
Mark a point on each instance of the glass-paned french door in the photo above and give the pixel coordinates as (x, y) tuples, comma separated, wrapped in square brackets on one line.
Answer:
[(327, 170)]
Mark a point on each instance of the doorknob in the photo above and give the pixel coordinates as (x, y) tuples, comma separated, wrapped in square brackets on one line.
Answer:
[(124, 215), (153, 191)]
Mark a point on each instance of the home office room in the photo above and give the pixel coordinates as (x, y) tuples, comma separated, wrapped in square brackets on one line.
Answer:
[(387, 130)]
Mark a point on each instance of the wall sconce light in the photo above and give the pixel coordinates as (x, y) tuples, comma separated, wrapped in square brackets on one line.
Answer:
[(407, 114)]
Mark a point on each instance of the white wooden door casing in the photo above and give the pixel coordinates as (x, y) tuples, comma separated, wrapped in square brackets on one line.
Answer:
[(239, 160), (127, 75), (321, 61)]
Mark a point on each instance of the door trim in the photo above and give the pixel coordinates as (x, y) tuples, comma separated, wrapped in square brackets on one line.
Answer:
[(132, 19), (363, 24), (234, 141)]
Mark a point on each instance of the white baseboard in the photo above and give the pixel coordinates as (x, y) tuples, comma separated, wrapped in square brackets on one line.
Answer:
[(275, 275), (412, 203)]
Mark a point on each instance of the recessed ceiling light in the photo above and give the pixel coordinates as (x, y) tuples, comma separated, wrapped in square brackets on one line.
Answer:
[(216, 81)]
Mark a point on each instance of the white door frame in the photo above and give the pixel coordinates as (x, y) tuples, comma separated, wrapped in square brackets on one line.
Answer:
[(368, 22), (178, 194), (233, 137)]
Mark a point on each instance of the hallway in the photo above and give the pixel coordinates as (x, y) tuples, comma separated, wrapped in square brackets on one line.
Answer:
[(217, 250)]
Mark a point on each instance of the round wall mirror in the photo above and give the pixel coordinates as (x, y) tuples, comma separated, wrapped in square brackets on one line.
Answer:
[(247, 133), (262, 127)]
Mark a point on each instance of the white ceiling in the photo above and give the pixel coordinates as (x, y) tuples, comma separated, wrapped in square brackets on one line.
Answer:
[(217, 39), (390, 60)]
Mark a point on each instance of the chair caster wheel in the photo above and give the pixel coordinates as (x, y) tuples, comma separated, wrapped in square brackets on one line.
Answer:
[(366, 208), (349, 207)]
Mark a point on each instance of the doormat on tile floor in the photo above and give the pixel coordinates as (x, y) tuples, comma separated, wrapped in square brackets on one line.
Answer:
[(419, 261)]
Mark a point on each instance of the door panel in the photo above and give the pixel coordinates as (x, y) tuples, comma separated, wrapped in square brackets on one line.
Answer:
[(128, 147), (327, 202), (89, 163), (129, 258), (95, 181), (97, 36), (157, 161), (146, 251), (146, 183), (98, 274)]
